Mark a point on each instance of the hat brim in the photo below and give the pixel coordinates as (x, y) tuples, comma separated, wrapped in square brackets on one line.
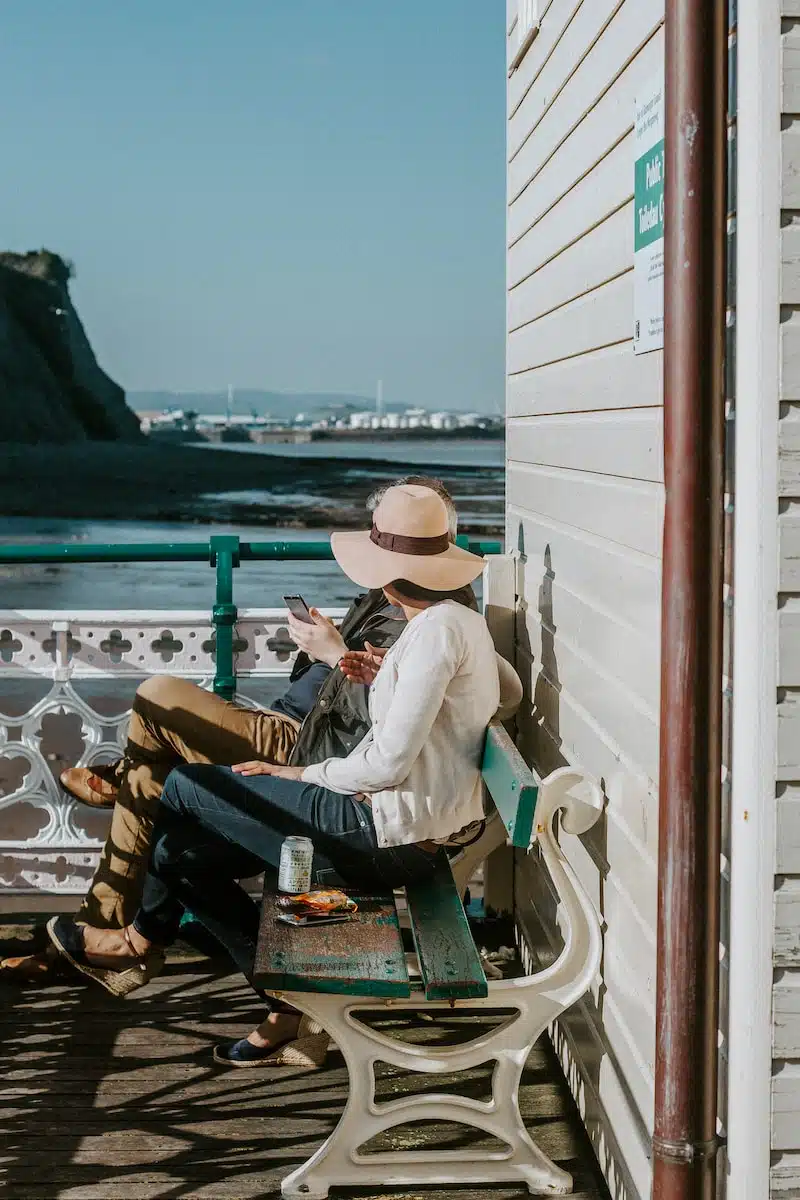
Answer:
[(371, 567)]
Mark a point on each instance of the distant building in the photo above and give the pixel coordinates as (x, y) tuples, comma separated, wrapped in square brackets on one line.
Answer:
[(341, 417), (361, 420), (171, 420)]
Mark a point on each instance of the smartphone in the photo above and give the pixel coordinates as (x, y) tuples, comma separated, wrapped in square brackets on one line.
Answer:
[(298, 608), (322, 919)]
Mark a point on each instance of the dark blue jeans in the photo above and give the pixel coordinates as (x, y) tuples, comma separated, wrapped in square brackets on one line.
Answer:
[(215, 827)]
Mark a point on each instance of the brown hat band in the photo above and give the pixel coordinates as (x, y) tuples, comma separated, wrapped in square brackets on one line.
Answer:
[(401, 544)]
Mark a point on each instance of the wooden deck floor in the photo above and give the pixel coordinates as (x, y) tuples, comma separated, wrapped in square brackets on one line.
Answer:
[(102, 1099)]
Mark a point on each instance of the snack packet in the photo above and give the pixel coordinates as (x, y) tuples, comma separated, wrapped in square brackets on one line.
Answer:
[(320, 900)]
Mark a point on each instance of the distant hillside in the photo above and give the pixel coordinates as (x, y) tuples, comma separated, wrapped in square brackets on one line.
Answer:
[(247, 400), (51, 387)]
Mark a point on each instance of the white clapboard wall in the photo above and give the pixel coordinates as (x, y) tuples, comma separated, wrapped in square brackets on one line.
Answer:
[(585, 510), (786, 996)]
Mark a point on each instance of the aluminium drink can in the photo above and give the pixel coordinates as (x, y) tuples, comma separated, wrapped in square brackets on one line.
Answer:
[(294, 873)]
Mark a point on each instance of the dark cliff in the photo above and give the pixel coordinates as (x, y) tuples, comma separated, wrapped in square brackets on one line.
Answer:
[(51, 387)]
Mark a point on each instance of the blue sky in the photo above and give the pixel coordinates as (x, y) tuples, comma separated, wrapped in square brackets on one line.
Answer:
[(289, 194)]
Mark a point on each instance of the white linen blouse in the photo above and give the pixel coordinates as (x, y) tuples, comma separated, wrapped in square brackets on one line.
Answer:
[(436, 691)]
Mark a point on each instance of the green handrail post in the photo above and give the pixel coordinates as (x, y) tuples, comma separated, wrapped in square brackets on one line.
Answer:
[(224, 555), (479, 546)]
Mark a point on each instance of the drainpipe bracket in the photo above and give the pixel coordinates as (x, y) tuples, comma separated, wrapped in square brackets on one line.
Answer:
[(685, 1152)]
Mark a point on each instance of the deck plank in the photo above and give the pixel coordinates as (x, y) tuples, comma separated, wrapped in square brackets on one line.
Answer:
[(102, 1099)]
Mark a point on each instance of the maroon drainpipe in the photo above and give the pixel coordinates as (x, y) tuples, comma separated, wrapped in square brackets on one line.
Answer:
[(684, 1141)]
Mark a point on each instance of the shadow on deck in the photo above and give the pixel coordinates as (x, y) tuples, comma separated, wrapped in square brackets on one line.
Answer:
[(102, 1099)]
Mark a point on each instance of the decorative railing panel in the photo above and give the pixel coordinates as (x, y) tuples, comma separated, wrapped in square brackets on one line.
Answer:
[(67, 683)]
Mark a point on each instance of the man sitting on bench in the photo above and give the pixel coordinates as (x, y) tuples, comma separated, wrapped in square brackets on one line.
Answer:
[(377, 818), (321, 715)]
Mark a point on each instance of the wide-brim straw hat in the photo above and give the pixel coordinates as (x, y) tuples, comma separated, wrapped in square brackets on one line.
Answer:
[(409, 539)]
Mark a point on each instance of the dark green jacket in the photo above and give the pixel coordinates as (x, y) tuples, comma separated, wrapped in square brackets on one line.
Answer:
[(340, 717)]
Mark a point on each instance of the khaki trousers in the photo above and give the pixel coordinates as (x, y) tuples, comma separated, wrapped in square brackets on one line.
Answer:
[(173, 722)]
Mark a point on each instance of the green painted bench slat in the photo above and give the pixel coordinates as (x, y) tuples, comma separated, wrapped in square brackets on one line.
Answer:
[(363, 957), (448, 959), (512, 785)]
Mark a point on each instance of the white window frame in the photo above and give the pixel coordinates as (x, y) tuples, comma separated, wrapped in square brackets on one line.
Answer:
[(526, 27)]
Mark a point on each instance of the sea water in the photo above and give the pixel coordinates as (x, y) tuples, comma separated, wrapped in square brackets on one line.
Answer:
[(109, 586)]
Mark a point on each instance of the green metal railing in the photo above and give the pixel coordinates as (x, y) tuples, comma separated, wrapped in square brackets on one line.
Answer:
[(225, 552)]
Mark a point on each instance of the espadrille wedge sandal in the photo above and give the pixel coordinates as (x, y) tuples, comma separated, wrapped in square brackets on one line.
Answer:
[(308, 1049), (67, 937)]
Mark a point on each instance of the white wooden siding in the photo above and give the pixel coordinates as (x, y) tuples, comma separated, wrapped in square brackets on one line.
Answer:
[(586, 78), (627, 444), (608, 378), (630, 515), (784, 1176), (606, 123), (786, 953), (788, 840), (597, 193), (585, 511), (789, 530)]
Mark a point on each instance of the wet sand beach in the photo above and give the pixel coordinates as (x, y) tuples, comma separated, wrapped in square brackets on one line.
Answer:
[(151, 482)]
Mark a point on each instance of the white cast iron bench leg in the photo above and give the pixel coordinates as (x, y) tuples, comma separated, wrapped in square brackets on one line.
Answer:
[(537, 1000)]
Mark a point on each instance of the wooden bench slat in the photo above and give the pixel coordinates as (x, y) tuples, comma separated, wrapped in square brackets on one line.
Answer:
[(362, 957), (448, 958), (512, 785), (365, 957)]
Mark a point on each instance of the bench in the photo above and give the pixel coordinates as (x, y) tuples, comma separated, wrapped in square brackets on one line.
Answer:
[(332, 972)]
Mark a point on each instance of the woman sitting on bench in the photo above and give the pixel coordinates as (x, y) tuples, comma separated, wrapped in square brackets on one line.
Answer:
[(376, 818)]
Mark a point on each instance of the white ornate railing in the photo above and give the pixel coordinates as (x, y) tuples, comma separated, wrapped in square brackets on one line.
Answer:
[(67, 682)]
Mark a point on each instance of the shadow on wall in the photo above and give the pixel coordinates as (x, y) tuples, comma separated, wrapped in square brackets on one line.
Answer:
[(542, 742), (547, 691), (541, 727)]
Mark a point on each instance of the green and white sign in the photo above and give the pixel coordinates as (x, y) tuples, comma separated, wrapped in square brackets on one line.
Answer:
[(648, 215)]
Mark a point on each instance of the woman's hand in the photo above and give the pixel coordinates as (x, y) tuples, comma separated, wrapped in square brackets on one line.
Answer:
[(361, 666), (264, 768), (321, 641)]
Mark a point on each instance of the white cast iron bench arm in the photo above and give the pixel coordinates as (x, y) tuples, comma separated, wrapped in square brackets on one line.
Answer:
[(537, 999)]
